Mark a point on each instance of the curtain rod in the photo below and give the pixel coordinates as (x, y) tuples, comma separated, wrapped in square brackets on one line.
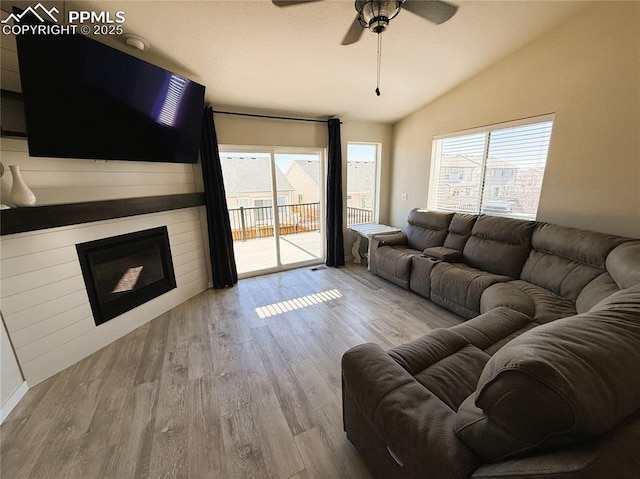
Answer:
[(255, 115)]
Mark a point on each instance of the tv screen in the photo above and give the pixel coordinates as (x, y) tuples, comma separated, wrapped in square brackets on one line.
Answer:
[(84, 99)]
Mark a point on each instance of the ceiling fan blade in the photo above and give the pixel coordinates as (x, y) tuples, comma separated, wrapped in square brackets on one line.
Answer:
[(433, 10), (288, 3), (354, 33)]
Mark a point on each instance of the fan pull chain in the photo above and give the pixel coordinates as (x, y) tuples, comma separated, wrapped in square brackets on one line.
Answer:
[(379, 61)]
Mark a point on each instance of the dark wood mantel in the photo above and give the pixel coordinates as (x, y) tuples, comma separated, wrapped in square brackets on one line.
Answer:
[(21, 220)]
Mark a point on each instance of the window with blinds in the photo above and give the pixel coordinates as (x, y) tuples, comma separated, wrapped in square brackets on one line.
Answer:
[(497, 170)]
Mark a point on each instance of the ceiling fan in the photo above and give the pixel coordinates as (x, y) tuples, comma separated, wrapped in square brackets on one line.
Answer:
[(376, 14)]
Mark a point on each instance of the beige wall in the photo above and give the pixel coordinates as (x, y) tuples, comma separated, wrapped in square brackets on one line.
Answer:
[(241, 130), (587, 72)]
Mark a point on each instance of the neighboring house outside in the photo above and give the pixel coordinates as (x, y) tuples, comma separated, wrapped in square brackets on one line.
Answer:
[(361, 184), (459, 185), (505, 190), (304, 177), (248, 185)]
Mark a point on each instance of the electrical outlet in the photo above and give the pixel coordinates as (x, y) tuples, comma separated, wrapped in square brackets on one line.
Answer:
[(405, 196)]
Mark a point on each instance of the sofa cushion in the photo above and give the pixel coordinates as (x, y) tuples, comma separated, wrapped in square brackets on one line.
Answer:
[(623, 273), (427, 228), (547, 306), (453, 378), (460, 230), (499, 245), (492, 327), (459, 287), (538, 303), (416, 355), (394, 264), (596, 291), (622, 264), (564, 260), (507, 295), (443, 362), (553, 385)]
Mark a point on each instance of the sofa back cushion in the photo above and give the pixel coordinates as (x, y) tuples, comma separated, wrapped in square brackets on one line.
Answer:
[(460, 230), (623, 264), (558, 384), (426, 229), (564, 260), (499, 245), (595, 291), (623, 271)]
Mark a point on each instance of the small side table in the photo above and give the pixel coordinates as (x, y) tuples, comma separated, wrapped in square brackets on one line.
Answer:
[(367, 230)]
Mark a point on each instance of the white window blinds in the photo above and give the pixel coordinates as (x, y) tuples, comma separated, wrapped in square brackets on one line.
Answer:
[(497, 171)]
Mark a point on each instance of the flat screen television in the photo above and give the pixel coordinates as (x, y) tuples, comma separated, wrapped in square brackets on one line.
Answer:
[(85, 99)]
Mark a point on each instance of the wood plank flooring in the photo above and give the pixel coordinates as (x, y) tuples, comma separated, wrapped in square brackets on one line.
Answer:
[(238, 383)]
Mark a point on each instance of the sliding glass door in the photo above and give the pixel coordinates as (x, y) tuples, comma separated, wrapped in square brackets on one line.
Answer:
[(275, 200)]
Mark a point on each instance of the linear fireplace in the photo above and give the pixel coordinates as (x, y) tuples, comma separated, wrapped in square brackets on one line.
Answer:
[(123, 272)]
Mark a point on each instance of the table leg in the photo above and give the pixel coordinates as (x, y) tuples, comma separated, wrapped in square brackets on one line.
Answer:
[(369, 254), (355, 250)]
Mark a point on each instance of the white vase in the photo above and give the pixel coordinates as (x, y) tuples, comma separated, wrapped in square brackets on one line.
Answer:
[(21, 195)]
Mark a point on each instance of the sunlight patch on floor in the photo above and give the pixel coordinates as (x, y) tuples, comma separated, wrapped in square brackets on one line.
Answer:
[(297, 303)]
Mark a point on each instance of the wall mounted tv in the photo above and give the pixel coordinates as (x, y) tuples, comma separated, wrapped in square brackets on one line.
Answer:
[(84, 99)]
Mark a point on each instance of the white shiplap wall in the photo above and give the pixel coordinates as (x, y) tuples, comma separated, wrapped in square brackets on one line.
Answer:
[(42, 293), (64, 180), (45, 303)]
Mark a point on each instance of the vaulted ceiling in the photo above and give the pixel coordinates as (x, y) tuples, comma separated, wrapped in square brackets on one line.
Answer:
[(255, 55)]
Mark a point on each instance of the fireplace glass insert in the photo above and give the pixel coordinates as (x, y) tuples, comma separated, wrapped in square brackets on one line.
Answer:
[(125, 271)]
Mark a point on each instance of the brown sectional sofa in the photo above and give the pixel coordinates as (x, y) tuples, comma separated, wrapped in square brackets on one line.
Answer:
[(542, 380)]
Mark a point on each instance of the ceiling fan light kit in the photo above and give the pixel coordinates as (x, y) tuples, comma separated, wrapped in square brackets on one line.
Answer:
[(375, 15)]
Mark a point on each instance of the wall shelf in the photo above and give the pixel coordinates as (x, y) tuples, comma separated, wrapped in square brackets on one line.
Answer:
[(21, 220)]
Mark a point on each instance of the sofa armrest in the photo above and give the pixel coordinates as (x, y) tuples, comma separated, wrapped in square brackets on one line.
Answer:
[(391, 239), (425, 351), (384, 239), (415, 425), (442, 253)]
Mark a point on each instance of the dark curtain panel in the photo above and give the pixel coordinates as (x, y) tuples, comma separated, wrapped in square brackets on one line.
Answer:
[(223, 262), (335, 241)]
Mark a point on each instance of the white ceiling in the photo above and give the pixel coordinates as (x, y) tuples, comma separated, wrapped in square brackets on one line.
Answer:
[(254, 55)]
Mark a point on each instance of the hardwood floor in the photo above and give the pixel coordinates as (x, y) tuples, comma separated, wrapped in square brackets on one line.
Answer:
[(243, 382)]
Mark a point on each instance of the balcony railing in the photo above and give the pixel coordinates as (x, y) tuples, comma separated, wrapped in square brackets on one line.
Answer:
[(356, 216), (258, 222)]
